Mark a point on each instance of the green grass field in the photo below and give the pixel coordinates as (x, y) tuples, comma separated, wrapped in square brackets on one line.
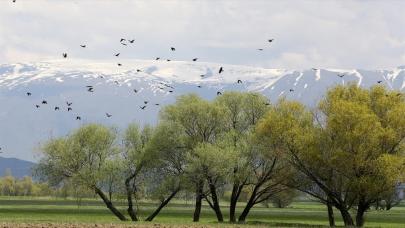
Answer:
[(299, 214)]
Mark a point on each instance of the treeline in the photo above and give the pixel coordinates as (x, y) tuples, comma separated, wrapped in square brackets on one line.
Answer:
[(348, 153)]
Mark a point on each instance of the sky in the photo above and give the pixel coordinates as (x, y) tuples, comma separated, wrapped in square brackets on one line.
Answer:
[(308, 33)]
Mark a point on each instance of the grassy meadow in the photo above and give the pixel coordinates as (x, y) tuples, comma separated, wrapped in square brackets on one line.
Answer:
[(300, 214)]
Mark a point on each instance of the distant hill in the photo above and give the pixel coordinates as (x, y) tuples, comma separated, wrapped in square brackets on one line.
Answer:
[(19, 168)]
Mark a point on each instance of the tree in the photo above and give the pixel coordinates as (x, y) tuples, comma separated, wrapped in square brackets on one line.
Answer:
[(80, 157), (283, 199), (350, 151), (166, 174), (134, 159), (201, 123)]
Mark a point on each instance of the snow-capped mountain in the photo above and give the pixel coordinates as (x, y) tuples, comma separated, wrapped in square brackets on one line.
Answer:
[(23, 126)]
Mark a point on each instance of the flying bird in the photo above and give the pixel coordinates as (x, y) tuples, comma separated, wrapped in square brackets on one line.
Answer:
[(37, 106), (271, 40), (239, 81), (219, 93), (314, 69), (108, 115), (379, 82), (118, 54), (260, 49), (135, 90), (341, 75), (64, 55), (122, 39), (291, 90), (170, 91), (220, 70), (119, 64), (56, 108), (157, 58), (138, 70), (29, 94), (69, 104), (83, 46), (124, 44), (157, 104), (168, 60), (199, 86), (131, 41), (172, 48), (78, 118), (145, 102), (44, 102), (69, 109), (90, 89), (195, 59), (116, 82), (202, 75), (143, 107)]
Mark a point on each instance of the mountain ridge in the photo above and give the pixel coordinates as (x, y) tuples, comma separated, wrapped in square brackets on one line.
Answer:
[(23, 127)]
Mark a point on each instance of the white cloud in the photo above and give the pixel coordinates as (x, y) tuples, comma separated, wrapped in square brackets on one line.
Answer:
[(324, 33)]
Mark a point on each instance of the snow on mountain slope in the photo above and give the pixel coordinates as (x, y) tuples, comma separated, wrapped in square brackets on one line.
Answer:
[(23, 126)]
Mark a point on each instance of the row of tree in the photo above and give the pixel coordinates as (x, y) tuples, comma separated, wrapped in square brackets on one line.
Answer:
[(348, 153)]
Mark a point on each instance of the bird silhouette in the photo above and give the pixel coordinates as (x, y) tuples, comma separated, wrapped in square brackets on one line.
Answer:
[(260, 49), (119, 64), (118, 54), (202, 75), (138, 70), (271, 40), (195, 59), (69, 103), (291, 90), (78, 118), (220, 70), (14, 1), (64, 55), (90, 89), (341, 75), (157, 58), (219, 93), (172, 48), (168, 60), (131, 41), (116, 82), (124, 44), (83, 46), (44, 102), (199, 86), (56, 108), (170, 91), (108, 115), (122, 39), (69, 109), (239, 81), (29, 94), (314, 69), (379, 82), (143, 107), (135, 90), (145, 102), (37, 106)]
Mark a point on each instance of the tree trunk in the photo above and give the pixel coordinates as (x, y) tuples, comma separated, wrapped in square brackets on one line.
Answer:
[(162, 205), (129, 191), (331, 217), (236, 190), (215, 201), (109, 204), (245, 212), (360, 215), (198, 199), (347, 218)]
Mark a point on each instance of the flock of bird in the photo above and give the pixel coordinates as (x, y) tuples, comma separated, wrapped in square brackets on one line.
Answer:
[(126, 42)]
